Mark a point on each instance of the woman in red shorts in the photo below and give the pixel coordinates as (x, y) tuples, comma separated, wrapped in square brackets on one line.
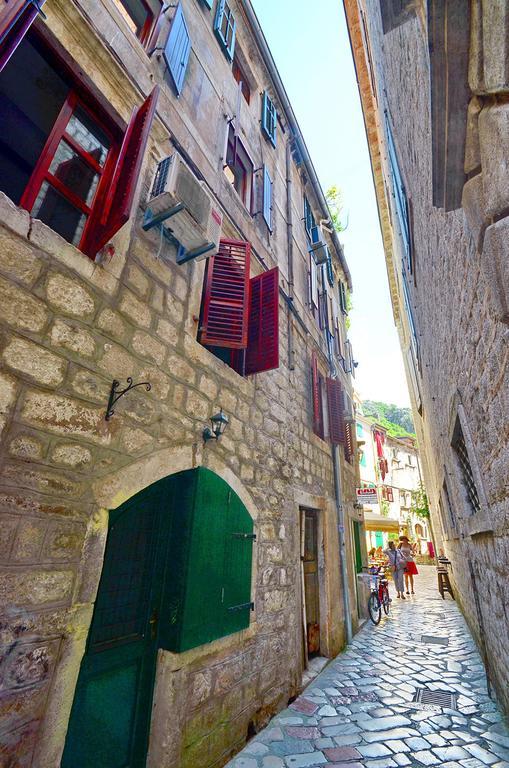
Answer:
[(410, 568)]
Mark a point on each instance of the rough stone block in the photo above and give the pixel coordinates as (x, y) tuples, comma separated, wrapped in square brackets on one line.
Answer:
[(495, 33), (161, 383), (87, 384), (112, 324), (495, 261), (174, 308), (472, 147), (474, 207), (180, 368), (17, 260), (73, 338), (36, 587), (135, 310), (135, 440), (29, 540), (7, 397), (69, 297), (167, 332), (137, 280), (13, 217), (19, 309), (71, 455), (148, 347), (65, 416), (26, 447), (34, 361), (8, 527), (494, 143), (117, 362), (25, 475), (64, 542)]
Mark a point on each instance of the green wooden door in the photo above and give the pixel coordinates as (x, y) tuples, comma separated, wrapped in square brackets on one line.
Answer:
[(110, 719), (357, 543)]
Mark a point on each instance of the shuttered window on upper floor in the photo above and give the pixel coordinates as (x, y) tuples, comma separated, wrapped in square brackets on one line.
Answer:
[(240, 315), (63, 157), (269, 118), (267, 198), (224, 28), (142, 17), (177, 49), (400, 197)]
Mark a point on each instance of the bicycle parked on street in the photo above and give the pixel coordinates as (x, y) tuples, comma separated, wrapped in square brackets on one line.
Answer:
[(379, 597)]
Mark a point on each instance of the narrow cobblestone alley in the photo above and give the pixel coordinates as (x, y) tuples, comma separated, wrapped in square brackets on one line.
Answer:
[(360, 710)]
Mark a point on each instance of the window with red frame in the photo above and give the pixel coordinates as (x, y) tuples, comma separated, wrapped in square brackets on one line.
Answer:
[(62, 157), (239, 168), (241, 79), (141, 16), (239, 318)]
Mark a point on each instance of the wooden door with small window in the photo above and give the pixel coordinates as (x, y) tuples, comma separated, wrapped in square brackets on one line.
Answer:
[(110, 718), (311, 580)]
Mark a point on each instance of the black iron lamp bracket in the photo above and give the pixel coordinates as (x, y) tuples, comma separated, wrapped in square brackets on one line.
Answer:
[(116, 393)]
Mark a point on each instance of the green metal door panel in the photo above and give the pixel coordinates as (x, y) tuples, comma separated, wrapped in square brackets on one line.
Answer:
[(202, 617), (110, 718), (237, 566), (357, 543)]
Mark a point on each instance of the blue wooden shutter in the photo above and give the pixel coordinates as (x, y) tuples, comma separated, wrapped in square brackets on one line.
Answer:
[(399, 195), (177, 49), (224, 28), (267, 198), (269, 118), (208, 3), (342, 297)]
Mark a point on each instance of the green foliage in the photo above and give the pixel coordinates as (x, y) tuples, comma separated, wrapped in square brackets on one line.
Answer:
[(397, 421), (419, 505), (334, 200), (384, 508)]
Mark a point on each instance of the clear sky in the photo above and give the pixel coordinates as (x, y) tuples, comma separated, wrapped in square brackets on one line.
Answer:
[(311, 48)]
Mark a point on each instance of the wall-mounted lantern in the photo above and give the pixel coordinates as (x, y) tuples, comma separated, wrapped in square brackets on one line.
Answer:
[(219, 423)]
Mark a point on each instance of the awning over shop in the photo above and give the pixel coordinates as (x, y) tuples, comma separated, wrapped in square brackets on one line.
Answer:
[(374, 522)]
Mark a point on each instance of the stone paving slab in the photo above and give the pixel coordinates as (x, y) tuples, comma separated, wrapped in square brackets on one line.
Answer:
[(359, 712)]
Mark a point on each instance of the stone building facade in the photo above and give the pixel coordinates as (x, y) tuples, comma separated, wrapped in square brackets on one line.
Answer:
[(433, 80), (88, 297)]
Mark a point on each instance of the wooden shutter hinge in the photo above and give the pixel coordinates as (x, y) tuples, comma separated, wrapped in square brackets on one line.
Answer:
[(242, 607), (244, 536)]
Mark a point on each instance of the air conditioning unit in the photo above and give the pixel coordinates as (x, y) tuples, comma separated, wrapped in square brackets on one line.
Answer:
[(318, 246), (182, 204)]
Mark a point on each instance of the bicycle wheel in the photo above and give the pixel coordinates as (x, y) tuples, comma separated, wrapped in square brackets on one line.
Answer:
[(386, 602), (374, 608)]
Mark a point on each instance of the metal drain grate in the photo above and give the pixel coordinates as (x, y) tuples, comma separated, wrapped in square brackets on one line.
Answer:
[(436, 698), (434, 640)]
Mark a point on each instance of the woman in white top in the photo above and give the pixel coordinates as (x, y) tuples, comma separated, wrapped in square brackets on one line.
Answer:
[(397, 563), (410, 567)]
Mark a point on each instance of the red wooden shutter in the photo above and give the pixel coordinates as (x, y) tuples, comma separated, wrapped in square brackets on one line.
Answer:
[(226, 296), (262, 352), (120, 198), (317, 397), (336, 411), (16, 16)]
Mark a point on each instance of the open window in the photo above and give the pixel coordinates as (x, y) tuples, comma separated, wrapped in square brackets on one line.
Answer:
[(62, 156), (142, 17), (239, 319), (239, 168), (240, 77)]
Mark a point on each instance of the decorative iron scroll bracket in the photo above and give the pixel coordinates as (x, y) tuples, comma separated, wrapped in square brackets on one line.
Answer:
[(116, 393)]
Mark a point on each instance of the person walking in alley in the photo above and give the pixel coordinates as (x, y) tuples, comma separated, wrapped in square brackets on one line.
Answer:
[(397, 563), (410, 567)]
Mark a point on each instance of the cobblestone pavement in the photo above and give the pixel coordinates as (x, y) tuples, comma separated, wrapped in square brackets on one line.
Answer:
[(360, 711)]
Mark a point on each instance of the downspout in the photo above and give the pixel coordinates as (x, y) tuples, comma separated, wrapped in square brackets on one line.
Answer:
[(289, 238)]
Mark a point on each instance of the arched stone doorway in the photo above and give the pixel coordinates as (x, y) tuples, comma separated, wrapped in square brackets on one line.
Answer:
[(176, 574)]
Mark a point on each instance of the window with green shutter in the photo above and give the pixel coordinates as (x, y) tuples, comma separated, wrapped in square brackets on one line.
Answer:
[(224, 28), (208, 581), (269, 118)]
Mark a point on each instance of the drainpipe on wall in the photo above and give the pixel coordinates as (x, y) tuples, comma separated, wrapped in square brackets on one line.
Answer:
[(289, 238), (342, 547)]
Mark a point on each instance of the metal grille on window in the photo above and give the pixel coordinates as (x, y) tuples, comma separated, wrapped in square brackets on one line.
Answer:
[(466, 470)]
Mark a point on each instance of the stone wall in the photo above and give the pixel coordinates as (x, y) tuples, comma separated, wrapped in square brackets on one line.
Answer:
[(459, 299), (68, 327)]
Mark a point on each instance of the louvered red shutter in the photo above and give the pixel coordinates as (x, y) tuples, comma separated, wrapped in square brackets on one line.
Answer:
[(120, 198), (336, 411), (317, 397), (226, 297), (16, 16), (262, 352)]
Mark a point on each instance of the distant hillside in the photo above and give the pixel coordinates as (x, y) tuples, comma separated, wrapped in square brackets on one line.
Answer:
[(397, 421)]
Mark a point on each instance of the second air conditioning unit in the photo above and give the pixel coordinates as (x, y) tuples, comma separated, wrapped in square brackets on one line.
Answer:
[(318, 246), (182, 204)]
